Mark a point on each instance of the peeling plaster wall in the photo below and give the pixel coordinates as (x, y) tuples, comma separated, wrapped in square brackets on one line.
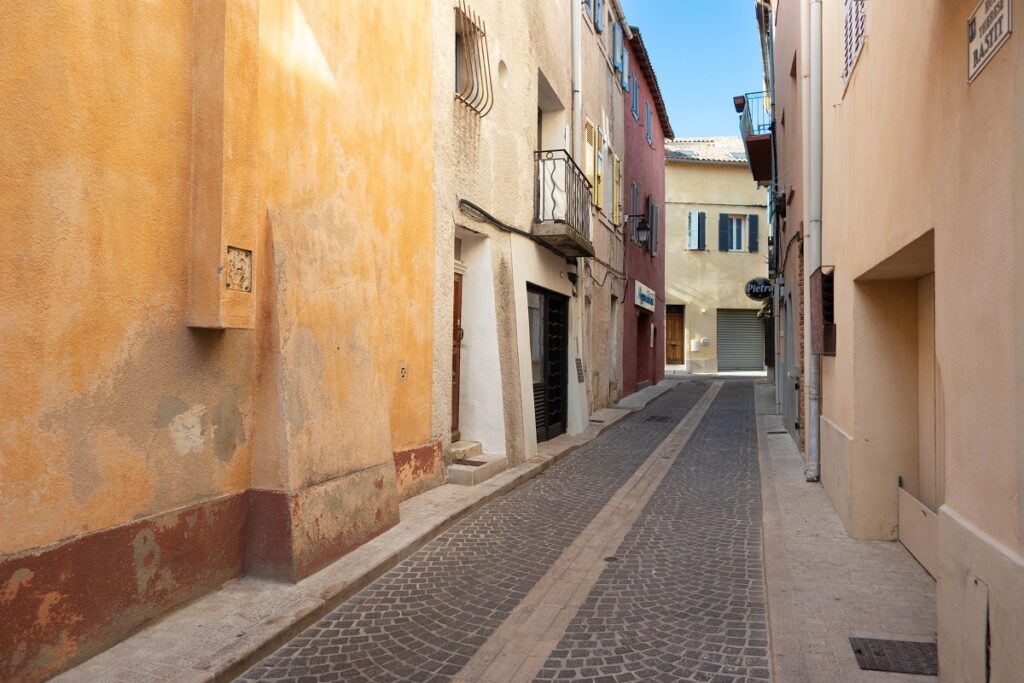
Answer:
[(113, 408), (129, 441)]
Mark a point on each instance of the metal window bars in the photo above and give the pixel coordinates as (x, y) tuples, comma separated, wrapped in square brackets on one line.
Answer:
[(562, 192), (473, 73)]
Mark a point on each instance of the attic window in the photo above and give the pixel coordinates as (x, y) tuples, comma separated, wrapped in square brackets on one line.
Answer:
[(472, 62)]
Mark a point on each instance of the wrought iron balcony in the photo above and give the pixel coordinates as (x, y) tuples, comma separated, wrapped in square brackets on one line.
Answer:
[(562, 201), (756, 128)]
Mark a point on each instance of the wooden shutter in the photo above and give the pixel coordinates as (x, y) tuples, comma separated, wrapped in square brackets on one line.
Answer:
[(617, 46), (616, 190), (723, 232), (599, 169), (702, 221), (625, 69), (599, 15), (655, 230), (752, 220), (691, 230), (590, 162)]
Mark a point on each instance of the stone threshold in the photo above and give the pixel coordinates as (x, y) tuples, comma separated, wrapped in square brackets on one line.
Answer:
[(221, 635)]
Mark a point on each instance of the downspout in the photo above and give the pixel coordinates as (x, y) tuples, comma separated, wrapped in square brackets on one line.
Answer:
[(577, 418), (813, 472), (577, 79)]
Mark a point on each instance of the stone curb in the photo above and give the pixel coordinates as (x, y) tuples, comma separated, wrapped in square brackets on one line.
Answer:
[(157, 649)]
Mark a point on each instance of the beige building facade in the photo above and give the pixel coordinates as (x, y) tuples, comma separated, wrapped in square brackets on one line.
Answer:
[(916, 317), (717, 241), (528, 248)]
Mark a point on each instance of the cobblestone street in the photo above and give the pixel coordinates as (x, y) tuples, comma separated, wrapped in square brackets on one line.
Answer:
[(673, 588)]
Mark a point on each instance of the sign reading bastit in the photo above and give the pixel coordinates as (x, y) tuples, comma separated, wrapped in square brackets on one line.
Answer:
[(759, 289), (644, 296), (987, 30)]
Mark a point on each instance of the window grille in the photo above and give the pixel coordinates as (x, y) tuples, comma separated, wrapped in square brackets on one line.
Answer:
[(472, 61), (854, 27)]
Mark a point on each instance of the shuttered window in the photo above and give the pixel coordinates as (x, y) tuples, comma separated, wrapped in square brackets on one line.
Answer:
[(635, 89), (625, 69), (590, 162), (655, 228), (599, 169), (634, 207), (617, 46), (752, 228), (693, 230), (649, 133), (616, 190), (599, 15), (854, 26)]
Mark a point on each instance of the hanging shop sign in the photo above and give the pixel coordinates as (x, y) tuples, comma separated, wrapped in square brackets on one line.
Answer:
[(759, 289), (645, 297), (987, 30)]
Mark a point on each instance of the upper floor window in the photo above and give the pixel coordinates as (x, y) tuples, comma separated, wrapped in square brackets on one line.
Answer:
[(695, 234), (472, 63), (598, 15), (853, 34), (650, 134), (635, 92), (738, 232)]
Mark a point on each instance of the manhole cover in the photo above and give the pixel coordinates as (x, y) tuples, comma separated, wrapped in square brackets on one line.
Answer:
[(657, 418), (472, 463), (896, 656)]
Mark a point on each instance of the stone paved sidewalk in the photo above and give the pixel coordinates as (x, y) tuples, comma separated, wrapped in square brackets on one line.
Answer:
[(824, 586)]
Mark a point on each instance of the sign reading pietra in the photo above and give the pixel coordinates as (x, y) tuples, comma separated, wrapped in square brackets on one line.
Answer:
[(759, 289), (645, 297), (987, 30)]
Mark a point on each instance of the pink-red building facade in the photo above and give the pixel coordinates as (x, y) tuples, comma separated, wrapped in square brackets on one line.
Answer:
[(643, 190)]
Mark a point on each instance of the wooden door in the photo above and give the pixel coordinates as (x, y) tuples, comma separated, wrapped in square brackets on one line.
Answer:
[(456, 354), (675, 335)]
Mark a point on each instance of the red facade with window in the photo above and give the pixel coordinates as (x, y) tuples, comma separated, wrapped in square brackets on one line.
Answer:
[(643, 197)]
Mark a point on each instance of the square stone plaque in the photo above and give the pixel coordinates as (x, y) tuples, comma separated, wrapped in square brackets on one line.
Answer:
[(239, 275)]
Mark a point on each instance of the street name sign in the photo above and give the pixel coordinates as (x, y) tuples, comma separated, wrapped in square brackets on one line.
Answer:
[(987, 30)]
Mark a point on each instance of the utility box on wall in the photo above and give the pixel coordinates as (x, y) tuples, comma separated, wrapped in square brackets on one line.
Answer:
[(225, 205), (823, 312)]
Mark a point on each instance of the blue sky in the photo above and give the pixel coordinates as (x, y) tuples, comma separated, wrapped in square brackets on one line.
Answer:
[(704, 52)]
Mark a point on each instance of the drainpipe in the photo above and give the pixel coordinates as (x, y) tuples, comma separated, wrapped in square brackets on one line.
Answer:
[(813, 472), (577, 79)]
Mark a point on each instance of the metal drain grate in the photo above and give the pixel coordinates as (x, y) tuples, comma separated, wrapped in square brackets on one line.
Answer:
[(657, 418), (896, 656), (782, 432)]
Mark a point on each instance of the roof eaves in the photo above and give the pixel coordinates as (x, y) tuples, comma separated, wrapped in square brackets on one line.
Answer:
[(647, 68)]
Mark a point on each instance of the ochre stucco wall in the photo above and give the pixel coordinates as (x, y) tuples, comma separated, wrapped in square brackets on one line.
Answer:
[(139, 452)]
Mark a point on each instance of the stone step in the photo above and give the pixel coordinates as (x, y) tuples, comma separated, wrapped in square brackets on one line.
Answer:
[(460, 450), (477, 469)]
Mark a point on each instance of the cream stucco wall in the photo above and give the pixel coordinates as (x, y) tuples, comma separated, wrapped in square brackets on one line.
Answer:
[(920, 177), (705, 281)]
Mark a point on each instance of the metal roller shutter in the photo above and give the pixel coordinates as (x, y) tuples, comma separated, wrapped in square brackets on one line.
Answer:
[(740, 340)]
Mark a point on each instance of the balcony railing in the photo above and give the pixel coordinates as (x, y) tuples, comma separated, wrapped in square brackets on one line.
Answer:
[(756, 118), (562, 201), (756, 128)]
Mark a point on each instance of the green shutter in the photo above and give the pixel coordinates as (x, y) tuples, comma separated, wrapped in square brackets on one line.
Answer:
[(702, 222), (752, 222), (723, 232)]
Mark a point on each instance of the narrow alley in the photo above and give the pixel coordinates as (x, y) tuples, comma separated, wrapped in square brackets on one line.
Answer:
[(478, 341)]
